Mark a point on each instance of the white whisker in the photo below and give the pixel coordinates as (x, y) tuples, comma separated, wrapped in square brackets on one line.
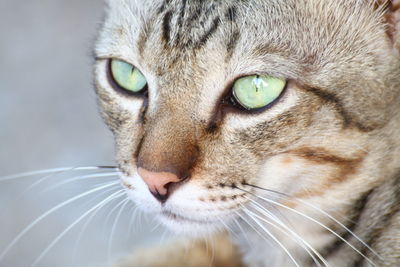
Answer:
[(243, 232), (103, 183), (226, 226), (79, 178), (290, 233), (132, 219), (80, 235), (163, 236), (252, 226), (324, 213), (108, 218), (49, 212), (114, 226), (246, 211), (155, 226), (342, 225), (313, 220), (54, 171), (50, 246)]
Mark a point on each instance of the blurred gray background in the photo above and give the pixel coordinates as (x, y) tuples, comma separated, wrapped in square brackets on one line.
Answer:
[(49, 118)]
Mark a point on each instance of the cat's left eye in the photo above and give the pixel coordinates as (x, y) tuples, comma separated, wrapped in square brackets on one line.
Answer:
[(127, 76), (257, 91)]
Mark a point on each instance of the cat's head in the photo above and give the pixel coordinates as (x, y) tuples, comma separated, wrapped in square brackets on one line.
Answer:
[(208, 99)]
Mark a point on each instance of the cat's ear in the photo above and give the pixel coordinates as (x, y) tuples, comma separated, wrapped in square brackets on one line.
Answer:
[(392, 17)]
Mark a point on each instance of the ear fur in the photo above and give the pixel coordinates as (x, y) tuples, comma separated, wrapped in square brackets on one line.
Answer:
[(391, 11)]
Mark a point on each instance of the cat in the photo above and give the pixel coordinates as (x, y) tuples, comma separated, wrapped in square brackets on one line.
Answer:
[(270, 127)]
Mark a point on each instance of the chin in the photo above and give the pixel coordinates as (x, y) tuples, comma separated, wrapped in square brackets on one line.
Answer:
[(177, 223), (187, 226)]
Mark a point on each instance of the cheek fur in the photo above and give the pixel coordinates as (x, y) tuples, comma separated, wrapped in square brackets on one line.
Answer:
[(289, 174), (308, 172)]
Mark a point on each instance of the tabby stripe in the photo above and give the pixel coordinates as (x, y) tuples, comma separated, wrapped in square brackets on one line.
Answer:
[(180, 19), (358, 208), (163, 6), (232, 43), (231, 13), (321, 155), (234, 36), (166, 28), (194, 17), (345, 167), (348, 120), (203, 40), (383, 222), (209, 9)]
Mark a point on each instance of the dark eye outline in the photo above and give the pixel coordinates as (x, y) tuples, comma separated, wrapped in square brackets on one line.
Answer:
[(229, 101), (143, 93)]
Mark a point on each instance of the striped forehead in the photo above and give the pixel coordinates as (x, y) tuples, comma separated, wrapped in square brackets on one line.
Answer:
[(187, 26), (162, 40), (194, 49), (178, 23), (164, 36)]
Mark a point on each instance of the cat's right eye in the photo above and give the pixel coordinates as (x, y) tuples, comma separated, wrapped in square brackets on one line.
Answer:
[(257, 91), (127, 76)]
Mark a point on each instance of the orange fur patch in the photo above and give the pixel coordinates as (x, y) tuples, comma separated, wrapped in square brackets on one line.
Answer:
[(344, 167)]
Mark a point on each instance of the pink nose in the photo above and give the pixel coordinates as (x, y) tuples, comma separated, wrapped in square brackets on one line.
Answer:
[(158, 182)]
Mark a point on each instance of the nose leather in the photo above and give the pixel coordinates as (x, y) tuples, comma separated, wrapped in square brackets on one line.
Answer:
[(158, 181)]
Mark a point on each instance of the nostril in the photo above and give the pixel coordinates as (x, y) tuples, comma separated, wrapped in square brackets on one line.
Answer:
[(159, 197), (160, 184), (168, 185), (172, 186)]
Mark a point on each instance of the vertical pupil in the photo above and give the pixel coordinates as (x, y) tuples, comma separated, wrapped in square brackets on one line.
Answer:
[(257, 82)]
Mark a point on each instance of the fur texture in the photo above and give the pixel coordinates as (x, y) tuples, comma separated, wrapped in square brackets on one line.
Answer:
[(330, 145)]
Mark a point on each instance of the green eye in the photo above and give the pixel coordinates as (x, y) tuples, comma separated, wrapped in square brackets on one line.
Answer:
[(257, 91), (127, 76)]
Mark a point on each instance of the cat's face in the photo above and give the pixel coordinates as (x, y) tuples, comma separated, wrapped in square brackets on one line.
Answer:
[(191, 140)]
